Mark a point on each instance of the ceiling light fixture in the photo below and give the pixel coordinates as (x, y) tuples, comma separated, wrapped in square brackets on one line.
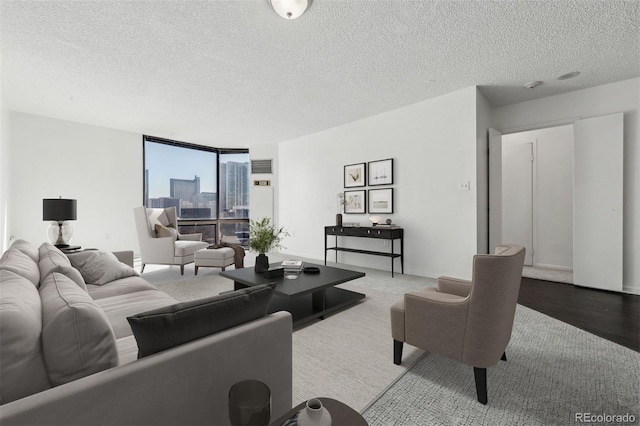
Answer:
[(290, 9), (533, 84), (569, 75)]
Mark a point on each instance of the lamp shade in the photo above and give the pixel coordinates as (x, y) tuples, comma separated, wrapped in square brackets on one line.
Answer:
[(58, 209)]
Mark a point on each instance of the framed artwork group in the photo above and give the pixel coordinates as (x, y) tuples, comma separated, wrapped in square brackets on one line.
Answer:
[(360, 175)]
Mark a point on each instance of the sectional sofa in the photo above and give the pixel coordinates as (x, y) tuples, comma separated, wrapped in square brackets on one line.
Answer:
[(68, 355)]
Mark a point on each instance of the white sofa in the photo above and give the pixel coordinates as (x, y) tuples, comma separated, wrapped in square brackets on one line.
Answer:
[(185, 385)]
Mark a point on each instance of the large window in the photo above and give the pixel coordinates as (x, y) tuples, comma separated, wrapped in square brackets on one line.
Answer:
[(208, 186)]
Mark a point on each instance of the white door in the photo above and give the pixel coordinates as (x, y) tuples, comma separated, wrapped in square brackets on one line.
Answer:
[(597, 202), (517, 195)]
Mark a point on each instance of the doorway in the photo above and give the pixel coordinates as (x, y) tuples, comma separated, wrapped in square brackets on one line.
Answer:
[(537, 194)]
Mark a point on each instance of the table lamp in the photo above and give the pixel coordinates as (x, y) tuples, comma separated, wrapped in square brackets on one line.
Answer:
[(59, 210)]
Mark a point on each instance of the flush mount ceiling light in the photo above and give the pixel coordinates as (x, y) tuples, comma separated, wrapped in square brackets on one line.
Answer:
[(290, 9), (533, 84), (568, 75)]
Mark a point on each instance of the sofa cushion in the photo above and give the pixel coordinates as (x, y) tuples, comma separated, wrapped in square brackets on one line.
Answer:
[(100, 267), (77, 339), (118, 287), (164, 328), (21, 264), (53, 260), (27, 248), (166, 231), (22, 370), (185, 248), (118, 308)]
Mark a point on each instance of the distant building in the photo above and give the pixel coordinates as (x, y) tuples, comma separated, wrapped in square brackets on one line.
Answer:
[(184, 189), (163, 202), (234, 184)]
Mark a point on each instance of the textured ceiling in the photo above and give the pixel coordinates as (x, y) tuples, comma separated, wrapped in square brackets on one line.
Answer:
[(233, 73)]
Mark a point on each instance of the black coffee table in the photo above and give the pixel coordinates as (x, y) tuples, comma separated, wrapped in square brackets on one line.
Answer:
[(308, 297)]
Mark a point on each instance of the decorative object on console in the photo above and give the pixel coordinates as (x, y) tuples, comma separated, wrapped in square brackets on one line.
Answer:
[(249, 403), (263, 237), (314, 414), (354, 175), (388, 221), (290, 9), (59, 211), (381, 200), (355, 201), (380, 172), (374, 220), (340, 199)]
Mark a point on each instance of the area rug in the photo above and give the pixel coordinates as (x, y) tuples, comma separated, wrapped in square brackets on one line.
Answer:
[(347, 356), (553, 372)]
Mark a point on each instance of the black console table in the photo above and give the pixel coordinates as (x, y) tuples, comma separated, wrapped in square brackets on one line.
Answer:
[(385, 233)]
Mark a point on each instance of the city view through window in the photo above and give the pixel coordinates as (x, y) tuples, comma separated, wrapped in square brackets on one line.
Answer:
[(186, 177)]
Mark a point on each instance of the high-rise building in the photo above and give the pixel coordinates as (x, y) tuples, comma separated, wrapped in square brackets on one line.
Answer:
[(234, 184), (184, 190), (163, 202)]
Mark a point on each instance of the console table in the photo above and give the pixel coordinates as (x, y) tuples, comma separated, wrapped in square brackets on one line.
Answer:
[(381, 232)]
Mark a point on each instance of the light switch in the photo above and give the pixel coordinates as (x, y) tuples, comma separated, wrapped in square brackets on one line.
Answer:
[(464, 186)]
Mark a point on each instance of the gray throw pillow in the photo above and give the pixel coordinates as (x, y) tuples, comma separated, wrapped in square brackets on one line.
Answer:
[(166, 231), (100, 267), (164, 328)]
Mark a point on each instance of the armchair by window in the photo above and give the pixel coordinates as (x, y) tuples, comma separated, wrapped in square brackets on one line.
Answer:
[(160, 242), (468, 321)]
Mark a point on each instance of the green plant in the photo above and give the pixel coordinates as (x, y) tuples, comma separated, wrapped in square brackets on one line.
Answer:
[(264, 236)]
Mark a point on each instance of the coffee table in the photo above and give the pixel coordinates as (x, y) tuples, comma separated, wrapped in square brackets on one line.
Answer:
[(308, 297), (341, 414)]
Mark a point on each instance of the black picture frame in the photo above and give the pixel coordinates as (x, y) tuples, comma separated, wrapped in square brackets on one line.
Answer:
[(355, 175), (381, 200), (355, 202), (380, 172)]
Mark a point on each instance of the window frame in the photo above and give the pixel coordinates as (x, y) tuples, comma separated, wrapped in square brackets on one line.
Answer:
[(217, 221)]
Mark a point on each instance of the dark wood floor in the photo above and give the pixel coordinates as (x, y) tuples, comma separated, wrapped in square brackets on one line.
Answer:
[(610, 315)]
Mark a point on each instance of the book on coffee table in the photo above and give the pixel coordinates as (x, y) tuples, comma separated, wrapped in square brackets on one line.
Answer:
[(292, 264)]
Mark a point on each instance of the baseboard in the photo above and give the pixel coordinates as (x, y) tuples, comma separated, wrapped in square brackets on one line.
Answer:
[(631, 289), (554, 267)]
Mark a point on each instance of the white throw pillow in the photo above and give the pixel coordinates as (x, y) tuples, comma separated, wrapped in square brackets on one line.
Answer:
[(53, 260)]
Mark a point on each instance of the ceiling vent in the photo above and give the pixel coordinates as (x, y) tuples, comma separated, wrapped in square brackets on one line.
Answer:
[(261, 166)]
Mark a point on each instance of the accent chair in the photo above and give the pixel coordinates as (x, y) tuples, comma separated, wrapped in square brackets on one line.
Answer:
[(468, 321), (160, 242)]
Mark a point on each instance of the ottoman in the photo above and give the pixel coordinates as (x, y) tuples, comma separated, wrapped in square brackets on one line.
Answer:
[(216, 258)]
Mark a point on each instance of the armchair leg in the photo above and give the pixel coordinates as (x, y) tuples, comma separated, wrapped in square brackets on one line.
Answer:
[(504, 356), (181, 269), (481, 384), (196, 270), (142, 269), (397, 352)]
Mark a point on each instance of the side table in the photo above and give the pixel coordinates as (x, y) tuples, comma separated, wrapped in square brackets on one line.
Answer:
[(341, 414)]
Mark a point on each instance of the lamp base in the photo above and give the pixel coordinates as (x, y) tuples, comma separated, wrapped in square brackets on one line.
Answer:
[(60, 233)]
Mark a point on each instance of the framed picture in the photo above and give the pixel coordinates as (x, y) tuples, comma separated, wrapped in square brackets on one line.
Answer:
[(380, 172), (355, 201), (355, 175), (381, 200)]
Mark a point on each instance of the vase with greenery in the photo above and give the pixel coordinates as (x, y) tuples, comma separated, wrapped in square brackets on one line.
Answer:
[(264, 237)]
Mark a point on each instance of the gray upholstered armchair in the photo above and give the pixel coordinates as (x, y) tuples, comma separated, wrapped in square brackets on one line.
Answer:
[(469, 321), (160, 242)]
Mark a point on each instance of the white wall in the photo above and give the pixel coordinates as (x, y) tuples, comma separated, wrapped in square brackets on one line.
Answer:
[(552, 201), (433, 144), (100, 167), (4, 178), (623, 97)]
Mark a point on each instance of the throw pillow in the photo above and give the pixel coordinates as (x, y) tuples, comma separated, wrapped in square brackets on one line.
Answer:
[(20, 263), (164, 328), (27, 248), (166, 231), (77, 339), (53, 260), (100, 267), (22, 369)]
